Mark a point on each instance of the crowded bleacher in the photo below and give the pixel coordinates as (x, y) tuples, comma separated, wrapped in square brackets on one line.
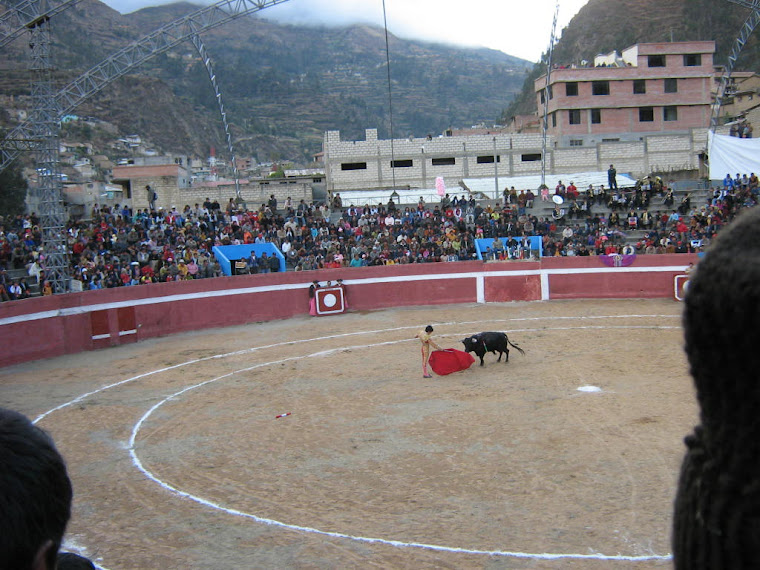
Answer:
[(119, 247)]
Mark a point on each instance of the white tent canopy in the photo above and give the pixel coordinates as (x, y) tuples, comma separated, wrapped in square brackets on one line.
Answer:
[(405, 197), (582, 180), (732, 155), (481, 187)]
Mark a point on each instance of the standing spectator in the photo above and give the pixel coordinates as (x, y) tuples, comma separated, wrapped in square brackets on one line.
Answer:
[(612, 178), (253, 263), (274, 263), (152, 197), (313, 298), (264, 263)]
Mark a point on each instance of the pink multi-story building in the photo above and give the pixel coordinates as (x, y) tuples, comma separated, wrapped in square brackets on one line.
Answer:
[(649, 89)]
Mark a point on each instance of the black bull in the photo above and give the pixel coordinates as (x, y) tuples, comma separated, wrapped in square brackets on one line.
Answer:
[(489, 342)]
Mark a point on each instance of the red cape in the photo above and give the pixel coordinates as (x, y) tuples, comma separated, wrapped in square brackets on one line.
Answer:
[(450, 360)]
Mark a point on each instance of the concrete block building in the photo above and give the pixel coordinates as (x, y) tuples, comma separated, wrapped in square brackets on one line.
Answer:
[(651, 88), (374, 164)]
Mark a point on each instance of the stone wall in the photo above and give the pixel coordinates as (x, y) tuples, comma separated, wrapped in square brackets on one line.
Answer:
[(170, 194)]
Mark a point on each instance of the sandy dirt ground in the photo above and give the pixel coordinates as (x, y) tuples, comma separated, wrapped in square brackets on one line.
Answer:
[(179, 461)]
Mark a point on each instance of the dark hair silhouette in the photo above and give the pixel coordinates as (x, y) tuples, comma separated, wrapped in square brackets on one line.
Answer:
[(35, 494), (716, 522)]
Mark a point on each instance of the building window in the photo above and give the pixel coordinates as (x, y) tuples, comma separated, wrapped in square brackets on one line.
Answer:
[(576, 142), (554, 119), (656, 61), (542, 96), (574, 116), (401, 163), (600, 87), (692, 59), (448, 161), (488, 159), (639, 86), (671, 85), (670, 113), (531, 157), (571, 89), (646, 114), (596, 116), (353, 166)]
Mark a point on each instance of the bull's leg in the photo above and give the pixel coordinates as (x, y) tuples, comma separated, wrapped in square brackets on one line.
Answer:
[(481, 361), (506, 355)]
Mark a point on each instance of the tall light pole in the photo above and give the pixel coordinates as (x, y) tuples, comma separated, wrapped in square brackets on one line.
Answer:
[(495, 171), (547, 95)]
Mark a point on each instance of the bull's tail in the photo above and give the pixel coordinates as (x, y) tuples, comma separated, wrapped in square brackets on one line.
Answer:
[(513, 345)]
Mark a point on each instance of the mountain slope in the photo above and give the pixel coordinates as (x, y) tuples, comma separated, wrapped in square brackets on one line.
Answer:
[(282, 86)]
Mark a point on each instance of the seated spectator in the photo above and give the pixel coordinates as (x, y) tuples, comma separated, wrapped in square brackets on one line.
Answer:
[(497, 245)]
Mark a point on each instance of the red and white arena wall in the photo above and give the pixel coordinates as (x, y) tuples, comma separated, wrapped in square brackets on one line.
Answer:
[(44, 327)]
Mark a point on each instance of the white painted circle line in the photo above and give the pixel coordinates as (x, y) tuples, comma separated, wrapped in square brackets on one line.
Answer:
[(206, 502)]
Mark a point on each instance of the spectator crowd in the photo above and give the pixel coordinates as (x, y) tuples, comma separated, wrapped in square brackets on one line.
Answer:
[(120, 247)]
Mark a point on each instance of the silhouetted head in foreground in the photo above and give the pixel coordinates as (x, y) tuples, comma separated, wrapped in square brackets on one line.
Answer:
[(35, 495), (716, 522)]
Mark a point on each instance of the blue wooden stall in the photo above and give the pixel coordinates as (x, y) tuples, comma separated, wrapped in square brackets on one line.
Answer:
[(228, 254), (482, 245)]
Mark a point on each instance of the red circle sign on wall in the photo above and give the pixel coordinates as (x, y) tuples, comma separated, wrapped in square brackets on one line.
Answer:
[(330, 301)]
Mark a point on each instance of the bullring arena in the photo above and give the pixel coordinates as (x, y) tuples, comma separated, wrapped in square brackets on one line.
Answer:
[(566, 457)]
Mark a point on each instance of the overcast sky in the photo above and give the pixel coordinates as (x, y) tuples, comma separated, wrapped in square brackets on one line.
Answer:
[(516, 27)]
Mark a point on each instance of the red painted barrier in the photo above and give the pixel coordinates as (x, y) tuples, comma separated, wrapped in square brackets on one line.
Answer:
[(65, 324)]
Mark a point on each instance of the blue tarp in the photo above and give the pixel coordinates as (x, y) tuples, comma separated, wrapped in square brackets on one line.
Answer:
[(226, 254)]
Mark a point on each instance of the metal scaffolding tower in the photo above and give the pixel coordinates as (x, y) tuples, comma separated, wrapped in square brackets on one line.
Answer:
[(126, 60), (749, 26), (206, 58), (47, 194), (20, 15)]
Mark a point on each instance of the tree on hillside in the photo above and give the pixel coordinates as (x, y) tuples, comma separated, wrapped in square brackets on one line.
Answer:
[(13, 188)]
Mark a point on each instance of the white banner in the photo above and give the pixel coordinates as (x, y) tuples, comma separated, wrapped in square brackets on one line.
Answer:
[(732, 155)]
